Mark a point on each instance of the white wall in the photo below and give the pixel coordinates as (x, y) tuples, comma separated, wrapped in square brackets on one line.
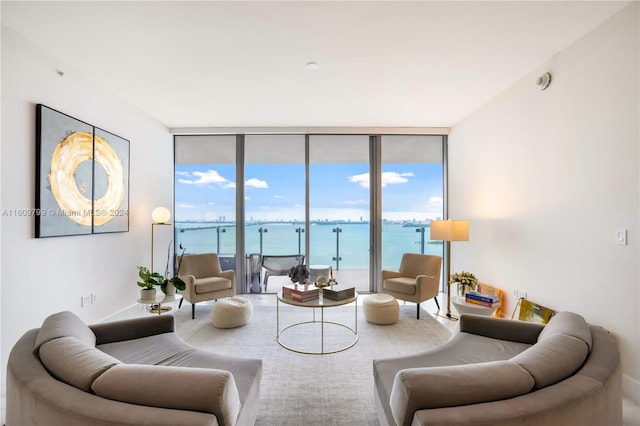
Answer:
[(43, 276), (546, 178)]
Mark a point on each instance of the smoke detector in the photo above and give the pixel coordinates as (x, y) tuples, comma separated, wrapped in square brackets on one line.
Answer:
[(543, 81)]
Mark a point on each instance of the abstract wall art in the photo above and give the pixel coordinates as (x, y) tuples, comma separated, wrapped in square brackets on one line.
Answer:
[(82, 177)]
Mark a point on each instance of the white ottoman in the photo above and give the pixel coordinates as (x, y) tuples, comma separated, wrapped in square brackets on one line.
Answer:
[(231, 312), (381, 309)]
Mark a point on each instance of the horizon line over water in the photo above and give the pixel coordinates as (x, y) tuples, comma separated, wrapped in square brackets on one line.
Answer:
[(346, 246)]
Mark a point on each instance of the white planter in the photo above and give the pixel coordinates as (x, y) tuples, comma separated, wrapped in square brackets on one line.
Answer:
[(170, 290), (148, 295)]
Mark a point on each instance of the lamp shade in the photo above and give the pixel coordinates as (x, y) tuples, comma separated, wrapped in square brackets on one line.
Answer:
[(160, 215), (449, 230)]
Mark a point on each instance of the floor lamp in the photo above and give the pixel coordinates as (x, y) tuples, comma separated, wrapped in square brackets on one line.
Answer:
[(160, 216), (447, 231)]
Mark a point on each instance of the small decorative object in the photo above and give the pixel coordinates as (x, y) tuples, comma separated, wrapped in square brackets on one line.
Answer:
[(299, 274), (322, 281), (332, 280), (466, 281)]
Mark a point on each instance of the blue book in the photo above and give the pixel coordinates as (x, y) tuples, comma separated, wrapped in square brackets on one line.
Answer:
[(489, 298)]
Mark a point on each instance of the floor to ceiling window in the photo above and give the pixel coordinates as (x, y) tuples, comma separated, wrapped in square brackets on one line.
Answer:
[(332, 200), (339, 200), (205, 196), (411, 187), (274, 207)]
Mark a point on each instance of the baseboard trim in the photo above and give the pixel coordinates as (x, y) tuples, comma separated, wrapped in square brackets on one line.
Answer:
[(115, 315), (631, 388)]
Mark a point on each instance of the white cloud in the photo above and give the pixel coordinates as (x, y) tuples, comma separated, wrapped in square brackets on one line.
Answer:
[(185, 206), (205, 178), (388, 178), (392, 178), (279, 197), (182, 173), (362, 180), (354, 203), (256, 183)]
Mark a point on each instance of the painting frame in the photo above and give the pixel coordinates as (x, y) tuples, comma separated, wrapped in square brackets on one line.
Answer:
[(82, 177)]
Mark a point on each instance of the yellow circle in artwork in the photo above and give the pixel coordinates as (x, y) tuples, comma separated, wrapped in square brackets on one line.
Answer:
[(67, 156)]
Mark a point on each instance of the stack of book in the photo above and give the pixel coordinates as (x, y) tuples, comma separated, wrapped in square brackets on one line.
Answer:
[(346, 293), (300, 293), (488, 300)]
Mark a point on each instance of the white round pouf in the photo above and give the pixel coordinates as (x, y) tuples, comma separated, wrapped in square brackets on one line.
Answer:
[(381, 309), (231, 312)]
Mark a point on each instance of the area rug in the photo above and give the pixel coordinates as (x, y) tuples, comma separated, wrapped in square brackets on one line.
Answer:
[(299, 389)]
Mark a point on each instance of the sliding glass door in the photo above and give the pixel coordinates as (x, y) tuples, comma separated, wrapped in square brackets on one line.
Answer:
[(205, 197), (339, 200), (412, 194), (274, 205)]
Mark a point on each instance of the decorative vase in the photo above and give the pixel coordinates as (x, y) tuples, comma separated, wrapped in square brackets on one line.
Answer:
[(462, 290), (148, 295), (170, 289)]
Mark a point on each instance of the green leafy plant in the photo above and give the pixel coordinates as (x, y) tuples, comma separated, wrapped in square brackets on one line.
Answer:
[(148, 279)]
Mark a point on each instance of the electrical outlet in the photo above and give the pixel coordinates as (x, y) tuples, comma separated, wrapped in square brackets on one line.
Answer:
[(93, 298), (85, 301), (518, 293)]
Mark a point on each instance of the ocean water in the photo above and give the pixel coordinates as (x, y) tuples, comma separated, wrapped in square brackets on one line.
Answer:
[(350, 245)]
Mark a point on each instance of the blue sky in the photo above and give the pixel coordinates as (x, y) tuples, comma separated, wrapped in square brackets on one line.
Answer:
[(337, 192)]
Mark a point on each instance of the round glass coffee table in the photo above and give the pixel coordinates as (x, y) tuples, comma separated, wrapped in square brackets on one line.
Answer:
[(321, 304)]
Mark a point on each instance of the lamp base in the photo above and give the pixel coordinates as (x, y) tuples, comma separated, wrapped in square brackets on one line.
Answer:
[(448, 316)]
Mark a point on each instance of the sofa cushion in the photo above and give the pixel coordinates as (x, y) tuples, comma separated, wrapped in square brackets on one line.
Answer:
[(184, 388), (74, 362), (435, 387), (567, 323), (553, 359), (63, 324)]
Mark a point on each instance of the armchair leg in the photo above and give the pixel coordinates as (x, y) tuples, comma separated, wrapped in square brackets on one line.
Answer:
[(437, 304), (193, 311), (418, 311), (180, 304)]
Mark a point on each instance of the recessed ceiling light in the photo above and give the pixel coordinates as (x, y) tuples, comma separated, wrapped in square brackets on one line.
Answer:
[(312, 66)]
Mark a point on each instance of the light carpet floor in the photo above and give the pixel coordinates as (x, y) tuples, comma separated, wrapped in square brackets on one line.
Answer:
[(299, 389)]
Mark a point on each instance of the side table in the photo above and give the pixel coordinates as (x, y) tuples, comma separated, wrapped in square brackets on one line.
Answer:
[(155, 306), (464, 307)]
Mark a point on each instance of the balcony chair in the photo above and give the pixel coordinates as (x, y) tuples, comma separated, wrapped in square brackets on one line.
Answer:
[(205, 279), (417, 280), (278, 265), (254, 269)]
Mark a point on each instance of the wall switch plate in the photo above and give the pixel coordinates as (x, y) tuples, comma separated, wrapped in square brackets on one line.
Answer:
[(621, 237)]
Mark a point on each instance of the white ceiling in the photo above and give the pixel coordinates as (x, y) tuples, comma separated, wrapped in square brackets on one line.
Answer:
[(231, 64)]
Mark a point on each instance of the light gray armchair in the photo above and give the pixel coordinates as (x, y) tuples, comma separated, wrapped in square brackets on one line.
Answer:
[(204, 279), (417, 280)]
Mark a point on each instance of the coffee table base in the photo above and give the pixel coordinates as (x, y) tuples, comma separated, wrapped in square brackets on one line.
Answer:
[(322, 323)]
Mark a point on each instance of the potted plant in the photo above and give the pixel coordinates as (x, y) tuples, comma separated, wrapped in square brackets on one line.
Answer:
[(170, 285), (466, 282), (148, 282), (299, 274)]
